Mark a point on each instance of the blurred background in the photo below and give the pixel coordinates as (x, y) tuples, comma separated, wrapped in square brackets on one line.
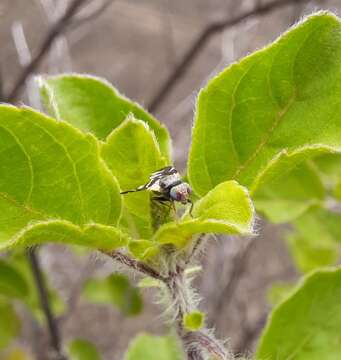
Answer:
[(139, 46)]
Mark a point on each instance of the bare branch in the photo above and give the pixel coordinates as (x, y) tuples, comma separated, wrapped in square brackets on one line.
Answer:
[(59, 59), (203, 38), (91, 13), (55, 339), (59, 27), (24, 56)]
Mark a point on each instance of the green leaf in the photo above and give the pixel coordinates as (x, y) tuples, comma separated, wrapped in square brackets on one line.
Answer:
[(93, 235), (194, 321), (306, 326), (12, 283), (271, 111), (80, 349), (286, 199), (132, 154), (316, 241), (225, 209), (337, 191), (116, 290), (9, 323), (93, 105), (143, 249), (148, 347), (329, 166), (50, 172), (149, 282)]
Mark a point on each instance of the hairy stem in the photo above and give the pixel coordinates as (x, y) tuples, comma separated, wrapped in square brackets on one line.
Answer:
[(134, 264), (196, 343)]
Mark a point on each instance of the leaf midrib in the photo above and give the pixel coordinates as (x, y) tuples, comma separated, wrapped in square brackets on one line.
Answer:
[(280, 115)]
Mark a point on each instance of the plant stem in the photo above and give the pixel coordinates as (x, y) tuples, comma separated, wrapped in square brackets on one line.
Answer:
[(196, 343), (55, 339), (134, 264)]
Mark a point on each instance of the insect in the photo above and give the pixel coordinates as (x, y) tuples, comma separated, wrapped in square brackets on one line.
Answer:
[(168, 186)]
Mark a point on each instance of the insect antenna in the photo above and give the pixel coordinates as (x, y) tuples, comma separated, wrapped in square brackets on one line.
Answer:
[(131, 191)]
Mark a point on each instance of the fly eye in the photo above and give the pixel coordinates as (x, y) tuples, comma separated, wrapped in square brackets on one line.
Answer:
[(189, 191), (178, 196)]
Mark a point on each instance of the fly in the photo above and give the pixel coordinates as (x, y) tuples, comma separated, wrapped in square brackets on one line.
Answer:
[(168, 186)]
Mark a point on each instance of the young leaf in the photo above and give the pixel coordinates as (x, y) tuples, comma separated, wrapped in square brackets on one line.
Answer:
[(93, 105), (272, 110), (286, 199), (306, 325), (225, 209), (12, 283), (194, 321), (80, 349), (93, 235), (116, 290), (132, 154), (143, 249), (329, 166), (50, 172), (337, 191), (154, 348), (9, 324)]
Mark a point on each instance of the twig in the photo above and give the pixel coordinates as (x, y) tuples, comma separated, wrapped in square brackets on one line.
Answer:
[(55, 339), (137, 265), (211, 30), (80, 20), (58, 28), (59, 59), (196, 343)]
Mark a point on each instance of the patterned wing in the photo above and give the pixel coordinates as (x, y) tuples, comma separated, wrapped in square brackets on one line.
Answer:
[(164, 176)]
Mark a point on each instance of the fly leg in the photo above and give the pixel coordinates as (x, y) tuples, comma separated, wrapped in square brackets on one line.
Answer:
[(175, 212), (164, 200)]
